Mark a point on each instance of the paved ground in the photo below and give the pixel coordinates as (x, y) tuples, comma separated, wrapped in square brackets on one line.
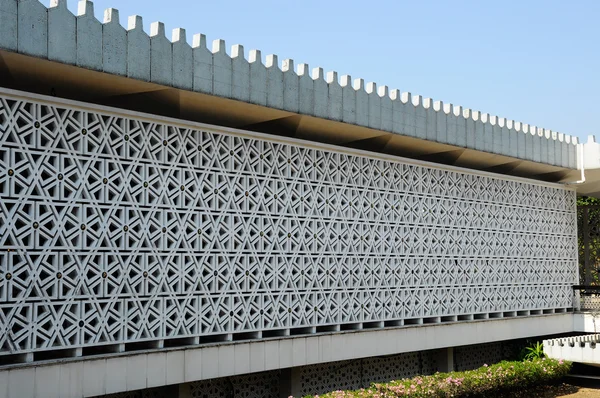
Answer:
[(562, 391)]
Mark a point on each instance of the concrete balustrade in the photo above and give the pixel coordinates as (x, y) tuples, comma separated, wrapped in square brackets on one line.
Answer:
[(583, 349)]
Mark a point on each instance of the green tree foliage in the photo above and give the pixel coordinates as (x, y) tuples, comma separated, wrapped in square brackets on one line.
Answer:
[(591, 206)]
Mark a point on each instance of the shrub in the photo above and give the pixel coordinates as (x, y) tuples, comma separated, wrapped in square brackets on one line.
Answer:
[(483, 382), (534, 351)]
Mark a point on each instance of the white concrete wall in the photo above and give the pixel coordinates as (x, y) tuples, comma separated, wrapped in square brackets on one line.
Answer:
[(279, 266), (583, 349), (133, 371), (29, 28)]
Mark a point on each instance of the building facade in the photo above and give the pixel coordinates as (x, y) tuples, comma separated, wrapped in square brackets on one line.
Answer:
[(314, 235)]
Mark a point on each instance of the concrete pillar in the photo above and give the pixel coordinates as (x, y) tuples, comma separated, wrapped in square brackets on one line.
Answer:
[(185, 390), (285, 383), (445, 359)]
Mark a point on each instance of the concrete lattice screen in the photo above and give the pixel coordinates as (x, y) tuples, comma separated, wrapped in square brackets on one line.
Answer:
[(28, 27), (123, 228)]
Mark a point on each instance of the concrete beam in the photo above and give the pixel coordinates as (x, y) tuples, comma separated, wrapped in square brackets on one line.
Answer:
[(85, 377)]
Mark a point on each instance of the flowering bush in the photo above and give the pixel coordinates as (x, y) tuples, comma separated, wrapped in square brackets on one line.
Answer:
[(482, 382)]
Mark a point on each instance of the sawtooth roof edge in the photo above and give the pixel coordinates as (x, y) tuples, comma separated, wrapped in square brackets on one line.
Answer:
[(54, 33)]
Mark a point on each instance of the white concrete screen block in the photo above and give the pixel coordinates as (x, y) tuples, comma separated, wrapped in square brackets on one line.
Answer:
[(275, 87), (290, 86), (335, 106), (8, 24), (221, 69), (258, 79), (377, 205), (306, 93), (114, 44), (203, 65), (32, 32), (240, 78), (89, 37), (161, 55), (183, 61), (62, 33), (138, 49)]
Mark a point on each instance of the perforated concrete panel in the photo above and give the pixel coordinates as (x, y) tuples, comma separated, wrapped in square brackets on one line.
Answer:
[(124, 228), (254, 385), (356, 374)]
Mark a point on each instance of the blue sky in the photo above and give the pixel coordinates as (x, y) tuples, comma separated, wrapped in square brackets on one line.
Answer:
[(534, 61)]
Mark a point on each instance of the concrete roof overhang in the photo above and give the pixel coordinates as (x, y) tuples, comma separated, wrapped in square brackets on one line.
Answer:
[(40, 76)]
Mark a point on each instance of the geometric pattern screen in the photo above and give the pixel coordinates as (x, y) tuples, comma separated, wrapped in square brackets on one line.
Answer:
[(120, 228)]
